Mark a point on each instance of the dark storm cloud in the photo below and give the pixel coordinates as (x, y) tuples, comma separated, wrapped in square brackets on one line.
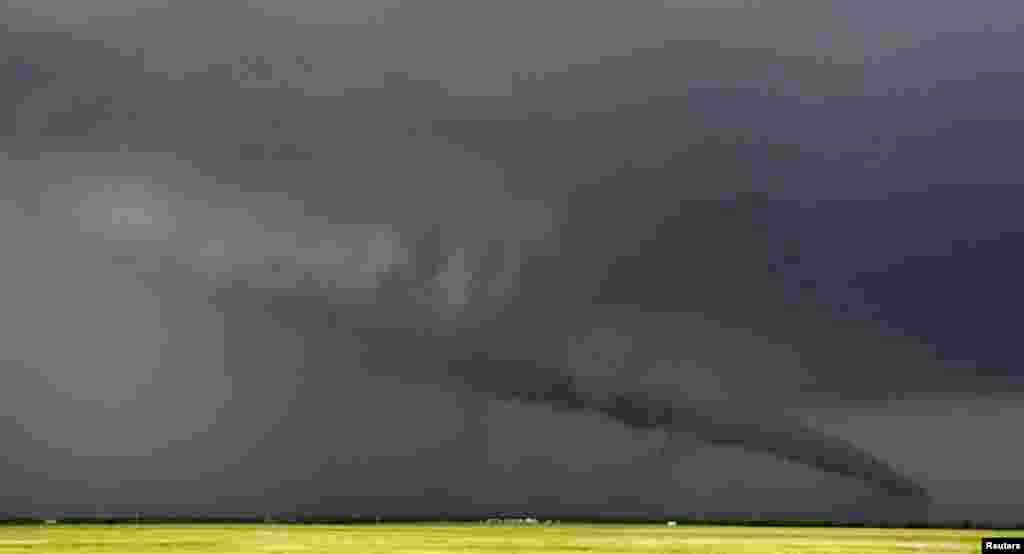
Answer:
[(489, 196)]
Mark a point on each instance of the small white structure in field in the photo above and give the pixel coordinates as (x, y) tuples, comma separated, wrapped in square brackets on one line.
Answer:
[(671, 524), (512, 521), (50, 521)]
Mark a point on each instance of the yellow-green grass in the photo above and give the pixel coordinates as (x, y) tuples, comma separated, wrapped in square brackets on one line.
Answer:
[(483, 539)]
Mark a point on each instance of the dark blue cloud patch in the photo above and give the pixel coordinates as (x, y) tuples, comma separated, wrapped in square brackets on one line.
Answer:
[(967, 303)]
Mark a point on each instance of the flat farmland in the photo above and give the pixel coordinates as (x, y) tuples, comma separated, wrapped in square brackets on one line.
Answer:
[(483, 539)]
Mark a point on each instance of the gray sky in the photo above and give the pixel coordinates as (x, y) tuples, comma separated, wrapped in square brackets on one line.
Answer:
[(248, 248)]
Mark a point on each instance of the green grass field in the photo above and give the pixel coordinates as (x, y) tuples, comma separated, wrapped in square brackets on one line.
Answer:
[(482, 539)]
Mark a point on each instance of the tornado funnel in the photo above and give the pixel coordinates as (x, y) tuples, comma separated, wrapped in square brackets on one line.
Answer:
[(785, 438)]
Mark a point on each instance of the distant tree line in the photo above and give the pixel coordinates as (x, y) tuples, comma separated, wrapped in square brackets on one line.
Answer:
[(308, 518)]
